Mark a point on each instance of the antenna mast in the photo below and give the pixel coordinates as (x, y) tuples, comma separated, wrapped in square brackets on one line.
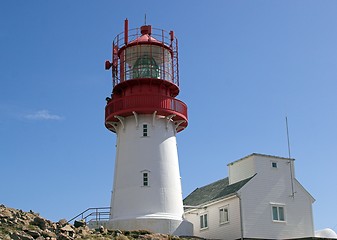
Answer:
[(288, 137), (290, 162)]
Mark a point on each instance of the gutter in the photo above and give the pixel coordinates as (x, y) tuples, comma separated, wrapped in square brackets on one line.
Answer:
[(205, 205), (241, 220)]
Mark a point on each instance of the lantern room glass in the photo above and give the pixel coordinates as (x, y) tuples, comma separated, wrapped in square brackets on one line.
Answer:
[(147, 61), (145, 67)]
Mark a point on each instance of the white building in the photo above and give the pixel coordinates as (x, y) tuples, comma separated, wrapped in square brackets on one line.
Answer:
[(261, 199)]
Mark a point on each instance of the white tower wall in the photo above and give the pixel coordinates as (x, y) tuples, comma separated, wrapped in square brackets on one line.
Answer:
[(133, 205)]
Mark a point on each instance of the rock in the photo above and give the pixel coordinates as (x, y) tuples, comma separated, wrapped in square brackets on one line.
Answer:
[(62, 222), (83, 231), (80, 223), (67, 228), (34, 234), (18, 214), (116, 233), (53, 226), (121, 237), (6, 213), (22, 222), (14, 220), (21, 236), (40, 222), (48, 234), (63, 236)]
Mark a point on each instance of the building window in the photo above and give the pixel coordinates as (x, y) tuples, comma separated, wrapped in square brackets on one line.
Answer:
[(278, 213), (145, 179), (274, 164), (145, 132), (203, 221), (223, 215)]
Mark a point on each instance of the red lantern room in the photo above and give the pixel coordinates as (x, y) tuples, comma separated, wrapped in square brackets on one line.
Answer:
[(145, 76)]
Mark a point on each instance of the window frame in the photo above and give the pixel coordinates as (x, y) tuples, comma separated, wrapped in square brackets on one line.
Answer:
[(225, 217), (203, 220), (274, 165), (278, 215), (145, 178), (145, 130)]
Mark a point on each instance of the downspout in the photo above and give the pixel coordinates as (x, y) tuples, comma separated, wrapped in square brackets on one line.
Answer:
[(241, 220)]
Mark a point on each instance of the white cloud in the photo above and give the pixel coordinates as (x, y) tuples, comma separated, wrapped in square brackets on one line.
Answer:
[(43, 115)]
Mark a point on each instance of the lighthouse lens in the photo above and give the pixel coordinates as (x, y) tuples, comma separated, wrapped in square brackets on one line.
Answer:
[(145, 67)]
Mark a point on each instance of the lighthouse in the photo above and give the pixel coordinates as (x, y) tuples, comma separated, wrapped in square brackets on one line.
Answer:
[(146, 116)]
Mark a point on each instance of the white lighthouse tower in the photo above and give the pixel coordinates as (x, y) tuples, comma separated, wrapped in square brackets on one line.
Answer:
[(146, 117)]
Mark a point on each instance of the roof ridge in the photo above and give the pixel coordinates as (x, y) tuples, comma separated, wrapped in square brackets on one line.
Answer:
[(213, 191), (261, 155), (222, 179)]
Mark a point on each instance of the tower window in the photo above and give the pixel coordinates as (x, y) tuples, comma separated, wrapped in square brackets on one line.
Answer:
[(145, 130), (145, 179), (274, 164)]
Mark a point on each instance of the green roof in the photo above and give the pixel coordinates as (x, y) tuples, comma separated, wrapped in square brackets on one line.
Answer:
[(213, 191)]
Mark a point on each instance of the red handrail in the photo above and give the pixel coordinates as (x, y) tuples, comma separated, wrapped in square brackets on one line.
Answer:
[(119, 71), (149, 102)]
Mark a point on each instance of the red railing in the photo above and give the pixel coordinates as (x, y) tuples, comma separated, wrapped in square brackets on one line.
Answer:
[(146, 104), (120, 71)]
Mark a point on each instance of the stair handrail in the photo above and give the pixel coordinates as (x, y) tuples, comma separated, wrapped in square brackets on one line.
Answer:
[(90, 214)]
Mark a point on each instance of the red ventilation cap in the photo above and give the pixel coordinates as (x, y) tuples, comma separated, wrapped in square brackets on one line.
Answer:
[(146, 29)]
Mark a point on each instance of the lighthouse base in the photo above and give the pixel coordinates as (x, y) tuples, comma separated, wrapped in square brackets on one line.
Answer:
[(166, 226)]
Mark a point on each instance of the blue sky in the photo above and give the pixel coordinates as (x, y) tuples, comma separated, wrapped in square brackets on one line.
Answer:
[(244, 67)]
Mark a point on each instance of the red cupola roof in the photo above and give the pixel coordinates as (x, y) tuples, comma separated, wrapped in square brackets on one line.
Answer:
[(146, 38)]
